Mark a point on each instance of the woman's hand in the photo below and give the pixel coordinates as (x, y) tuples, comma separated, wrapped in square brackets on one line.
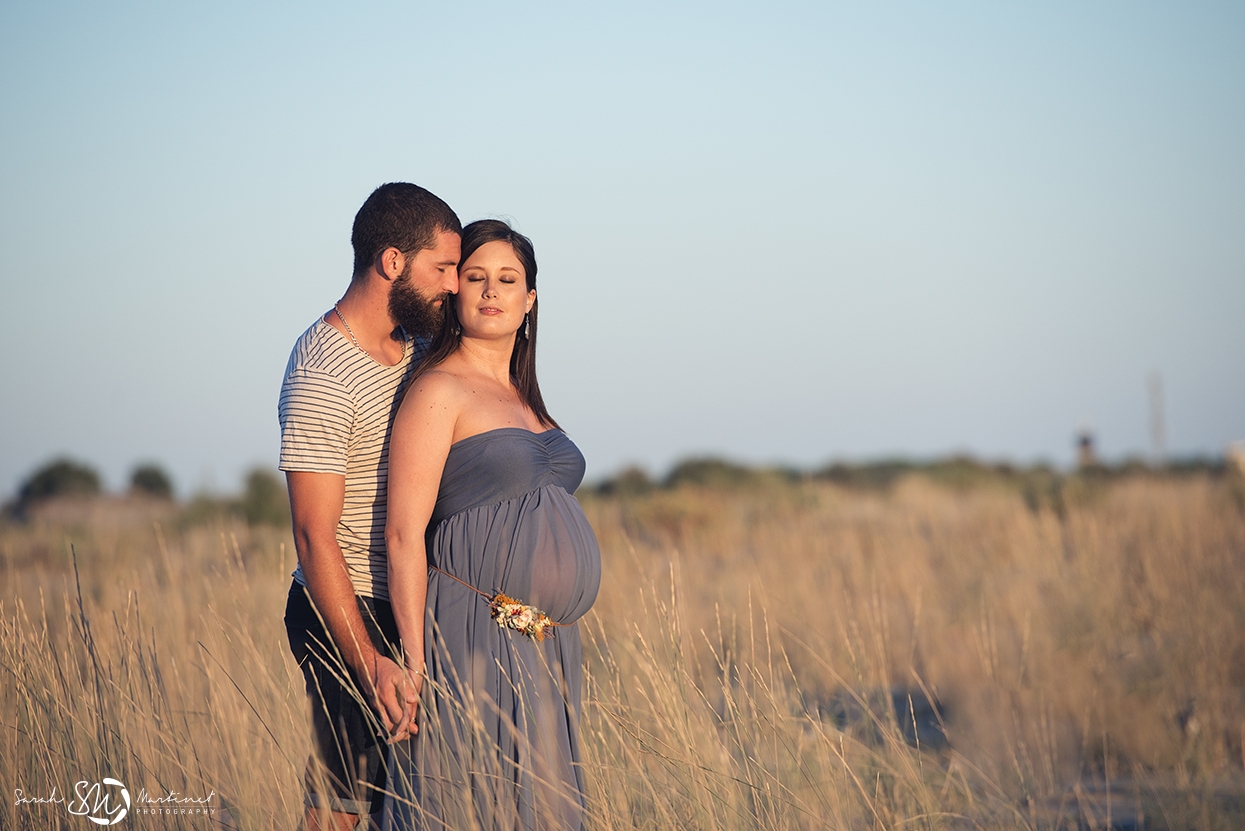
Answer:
[(412, 685), (391, 698)]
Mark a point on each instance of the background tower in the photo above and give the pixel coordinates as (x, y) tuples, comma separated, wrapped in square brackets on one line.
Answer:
[(1158, 426)]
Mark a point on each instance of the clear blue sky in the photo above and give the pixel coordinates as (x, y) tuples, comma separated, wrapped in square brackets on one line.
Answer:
[(791, 233)]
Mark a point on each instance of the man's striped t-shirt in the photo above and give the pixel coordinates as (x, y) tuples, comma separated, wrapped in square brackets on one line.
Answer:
[(336, 411)]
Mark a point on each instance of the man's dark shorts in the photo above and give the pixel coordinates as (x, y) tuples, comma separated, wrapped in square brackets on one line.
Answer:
[(348, 745)]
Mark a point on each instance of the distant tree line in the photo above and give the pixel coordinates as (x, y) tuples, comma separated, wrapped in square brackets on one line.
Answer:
[(957, 471), (263, 500)]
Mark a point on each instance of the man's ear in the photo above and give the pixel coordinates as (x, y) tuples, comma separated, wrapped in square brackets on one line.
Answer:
[(390, 263)]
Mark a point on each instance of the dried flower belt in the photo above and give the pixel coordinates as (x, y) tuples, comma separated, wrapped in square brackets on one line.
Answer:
[(510, 613)]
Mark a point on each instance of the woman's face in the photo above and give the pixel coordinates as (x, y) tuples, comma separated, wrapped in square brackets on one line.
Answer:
[(492, 292)]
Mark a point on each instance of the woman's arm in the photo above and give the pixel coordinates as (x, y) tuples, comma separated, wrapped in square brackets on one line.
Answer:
[(423, 431)]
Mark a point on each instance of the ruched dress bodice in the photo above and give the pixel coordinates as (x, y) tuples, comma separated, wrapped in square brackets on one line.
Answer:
[(498, 745), (505, 463)]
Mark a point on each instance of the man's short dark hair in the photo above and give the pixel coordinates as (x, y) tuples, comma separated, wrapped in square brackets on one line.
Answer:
[(402, 216)]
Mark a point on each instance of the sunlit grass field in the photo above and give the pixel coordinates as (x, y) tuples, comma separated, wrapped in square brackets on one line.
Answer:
[(783, 653)]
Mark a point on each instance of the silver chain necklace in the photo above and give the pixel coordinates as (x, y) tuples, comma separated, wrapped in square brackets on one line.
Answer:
[(355, 341), (350, 332)]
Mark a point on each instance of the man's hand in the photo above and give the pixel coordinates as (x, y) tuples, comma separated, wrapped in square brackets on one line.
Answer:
[(395, 695)]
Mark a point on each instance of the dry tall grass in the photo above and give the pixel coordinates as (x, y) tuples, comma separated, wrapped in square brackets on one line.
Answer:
[(744, 661)]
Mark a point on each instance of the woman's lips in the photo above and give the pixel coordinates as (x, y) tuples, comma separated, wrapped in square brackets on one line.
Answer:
[(489, 310)]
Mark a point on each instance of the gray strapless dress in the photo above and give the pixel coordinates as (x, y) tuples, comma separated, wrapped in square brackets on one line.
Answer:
[(498, 741)]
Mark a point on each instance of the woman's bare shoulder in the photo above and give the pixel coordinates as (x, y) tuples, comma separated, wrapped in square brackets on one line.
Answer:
[(435, 387), (437, 382)]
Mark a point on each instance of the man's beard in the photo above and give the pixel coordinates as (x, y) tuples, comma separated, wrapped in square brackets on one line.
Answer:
[(421, 317)]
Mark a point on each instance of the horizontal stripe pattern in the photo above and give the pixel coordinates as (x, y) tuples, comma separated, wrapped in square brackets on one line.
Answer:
[(336, 412)]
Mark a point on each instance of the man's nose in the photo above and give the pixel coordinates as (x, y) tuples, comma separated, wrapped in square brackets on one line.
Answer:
[(450, 283)]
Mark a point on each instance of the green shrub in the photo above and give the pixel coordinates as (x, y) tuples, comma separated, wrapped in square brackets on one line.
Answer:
[(710, 472), (632, 481), (151, 480), (62, 477), (264, 501)]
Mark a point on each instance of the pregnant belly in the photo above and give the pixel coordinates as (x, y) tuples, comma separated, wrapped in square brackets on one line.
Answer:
[(537, 548), (565, 561)]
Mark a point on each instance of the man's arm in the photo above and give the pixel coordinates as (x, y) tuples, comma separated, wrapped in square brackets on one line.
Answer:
[(316, 501)]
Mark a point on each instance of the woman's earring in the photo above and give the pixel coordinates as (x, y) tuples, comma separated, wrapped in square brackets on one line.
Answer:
[(457, 328), (527, 326)]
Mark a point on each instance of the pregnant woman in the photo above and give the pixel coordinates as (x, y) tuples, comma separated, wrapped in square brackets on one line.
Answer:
[(491, 563)]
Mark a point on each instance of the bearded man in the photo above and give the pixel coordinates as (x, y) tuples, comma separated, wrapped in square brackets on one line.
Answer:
[(342, 386)]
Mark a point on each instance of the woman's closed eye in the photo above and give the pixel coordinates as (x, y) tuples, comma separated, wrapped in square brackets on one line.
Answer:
[(473, 278)]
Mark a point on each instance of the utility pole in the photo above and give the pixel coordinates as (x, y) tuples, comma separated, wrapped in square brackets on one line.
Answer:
[(1158, 427)]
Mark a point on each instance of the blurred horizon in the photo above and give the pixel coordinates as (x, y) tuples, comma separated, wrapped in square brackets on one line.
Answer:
[(710, 470), (789, 235)]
